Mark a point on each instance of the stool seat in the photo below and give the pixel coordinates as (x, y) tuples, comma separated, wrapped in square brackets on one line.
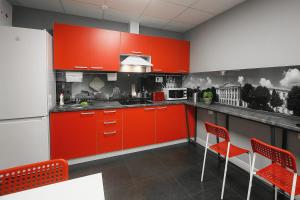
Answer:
[(280, 177), (221, 148)]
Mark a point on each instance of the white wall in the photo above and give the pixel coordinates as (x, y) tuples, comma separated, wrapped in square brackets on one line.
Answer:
[(256, 33), (5, 13)]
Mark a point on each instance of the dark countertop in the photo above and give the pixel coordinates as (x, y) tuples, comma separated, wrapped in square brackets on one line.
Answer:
[(274, 119), (110, 105)]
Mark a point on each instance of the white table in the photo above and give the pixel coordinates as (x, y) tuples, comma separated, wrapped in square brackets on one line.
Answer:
[(87, 187)]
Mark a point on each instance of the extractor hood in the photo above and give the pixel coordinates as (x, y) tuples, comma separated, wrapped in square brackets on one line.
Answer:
[(135, 63)]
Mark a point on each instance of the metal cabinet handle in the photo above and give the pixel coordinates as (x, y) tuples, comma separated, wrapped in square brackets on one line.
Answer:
[(109, 111), (161, 108), (87, 113), (110, 133), (149, 108), (80, 67), (96, 67), (136, 52), (112, 122)]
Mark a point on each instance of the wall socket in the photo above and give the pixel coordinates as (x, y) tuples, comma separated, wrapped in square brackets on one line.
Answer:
[(159, 79), (298, 136)]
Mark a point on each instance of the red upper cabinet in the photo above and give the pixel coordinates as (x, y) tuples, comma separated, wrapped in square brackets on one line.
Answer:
[(184, 57), (83, 48), (170, 56), (71, 47), (170, 123), (139, 127), (135, 44), (105, 48), (73, 134), (164, 55)]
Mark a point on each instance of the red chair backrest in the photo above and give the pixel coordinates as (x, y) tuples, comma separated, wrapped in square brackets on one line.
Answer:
[(275, 154), (218, 131), (33, 175)]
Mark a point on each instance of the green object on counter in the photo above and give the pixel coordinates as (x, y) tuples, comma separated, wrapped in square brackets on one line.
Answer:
[(84, 103)]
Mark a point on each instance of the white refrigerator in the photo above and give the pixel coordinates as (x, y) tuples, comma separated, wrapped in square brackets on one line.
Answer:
[(27, 93)]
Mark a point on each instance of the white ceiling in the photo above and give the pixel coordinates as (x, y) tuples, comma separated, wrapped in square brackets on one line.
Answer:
[(173, 15)]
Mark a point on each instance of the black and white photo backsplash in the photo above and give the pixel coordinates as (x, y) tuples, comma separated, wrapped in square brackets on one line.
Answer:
[(110, 90), (274, 89)]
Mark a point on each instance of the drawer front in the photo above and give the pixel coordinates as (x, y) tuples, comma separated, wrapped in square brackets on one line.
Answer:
[(112, 115), (110, 131)]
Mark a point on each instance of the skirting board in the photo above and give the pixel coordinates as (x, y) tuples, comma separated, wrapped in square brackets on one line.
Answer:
[(123, 152)]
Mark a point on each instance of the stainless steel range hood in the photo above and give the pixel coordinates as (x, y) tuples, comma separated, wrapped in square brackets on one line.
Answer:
[(135, 63)]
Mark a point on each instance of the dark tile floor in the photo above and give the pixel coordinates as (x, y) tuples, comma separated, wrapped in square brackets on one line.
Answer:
[(171, 172)]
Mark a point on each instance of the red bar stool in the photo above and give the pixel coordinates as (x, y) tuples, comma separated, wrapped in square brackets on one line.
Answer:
[(33, 175), (224, 148), (282, 173)]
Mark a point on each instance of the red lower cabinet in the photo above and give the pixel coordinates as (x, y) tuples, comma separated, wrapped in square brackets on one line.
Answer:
[(139, 127), (73, 134), (170, 123), (109, 130)]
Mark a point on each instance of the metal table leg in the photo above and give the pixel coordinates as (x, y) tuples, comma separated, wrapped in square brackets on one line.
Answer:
[(284, 139), (273, 136)]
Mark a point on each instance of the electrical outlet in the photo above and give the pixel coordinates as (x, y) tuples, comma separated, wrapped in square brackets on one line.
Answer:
[(159, 79), (298, 136)]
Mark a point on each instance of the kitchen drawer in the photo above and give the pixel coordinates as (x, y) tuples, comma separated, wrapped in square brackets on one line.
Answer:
[(109, 133), (111, 115)]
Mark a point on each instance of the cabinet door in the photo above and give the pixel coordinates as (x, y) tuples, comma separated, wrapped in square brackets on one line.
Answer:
[(139, 127), (73, 134), (72, 49), (109, 130), (136, 44), (170, 123), (164, 55), (105, 50), (184, 57)]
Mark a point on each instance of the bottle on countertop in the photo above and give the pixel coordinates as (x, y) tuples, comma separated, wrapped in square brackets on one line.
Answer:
[(61, 99)]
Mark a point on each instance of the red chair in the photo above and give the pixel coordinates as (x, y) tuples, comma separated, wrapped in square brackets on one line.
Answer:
[(282, 173), (33, 175), (224, 148)]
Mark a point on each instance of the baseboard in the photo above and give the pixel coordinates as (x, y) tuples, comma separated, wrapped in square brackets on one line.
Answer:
[(123, 152)]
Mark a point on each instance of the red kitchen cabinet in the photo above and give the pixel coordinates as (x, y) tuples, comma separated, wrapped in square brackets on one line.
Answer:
[(170, 123), (73, 134), (136, 44), (105, 46), (184, 57), (139, 127), (84, 48), (109, 130), (71, 47), (170, 56), (164, 55)]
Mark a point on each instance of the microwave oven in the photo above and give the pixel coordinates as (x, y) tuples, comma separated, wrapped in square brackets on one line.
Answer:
[(175, 93)]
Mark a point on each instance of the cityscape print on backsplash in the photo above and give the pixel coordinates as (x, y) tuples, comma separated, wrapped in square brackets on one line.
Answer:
[(274, 89)]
